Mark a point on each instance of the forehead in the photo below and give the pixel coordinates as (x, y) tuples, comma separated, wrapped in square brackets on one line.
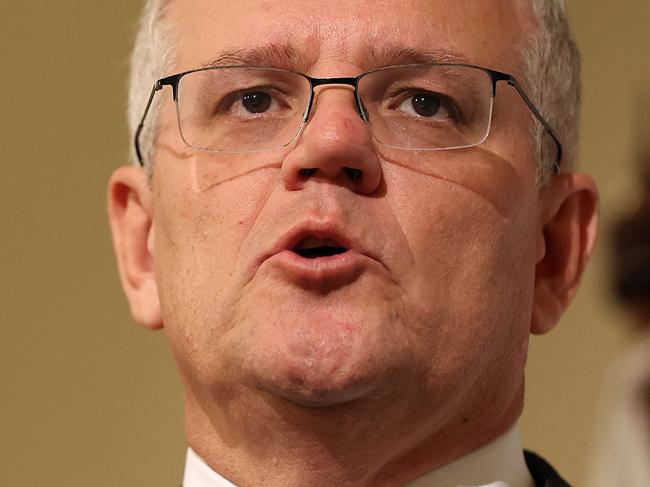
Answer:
[(359, 34)]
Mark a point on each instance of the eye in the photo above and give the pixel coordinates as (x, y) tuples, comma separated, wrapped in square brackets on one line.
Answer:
[(425, 104), (256, 101)]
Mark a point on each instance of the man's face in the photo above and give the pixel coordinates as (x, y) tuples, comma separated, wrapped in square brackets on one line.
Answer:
[(434, 293)]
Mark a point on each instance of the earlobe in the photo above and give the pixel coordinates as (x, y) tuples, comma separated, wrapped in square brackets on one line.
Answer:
[(130, 215), (568, 230)]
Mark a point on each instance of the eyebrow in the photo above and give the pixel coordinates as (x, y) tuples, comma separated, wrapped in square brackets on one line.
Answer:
[(270, 55), (395, 55), (288, 57)]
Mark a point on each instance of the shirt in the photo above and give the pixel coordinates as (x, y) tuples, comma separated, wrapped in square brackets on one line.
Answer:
[(498, 464)]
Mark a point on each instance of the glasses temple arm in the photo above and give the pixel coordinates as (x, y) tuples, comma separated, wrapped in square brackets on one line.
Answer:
[(136, 139), (560, 151)]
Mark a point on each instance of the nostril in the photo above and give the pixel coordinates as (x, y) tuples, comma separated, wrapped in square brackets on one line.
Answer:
[(305, 173), (354, 174)]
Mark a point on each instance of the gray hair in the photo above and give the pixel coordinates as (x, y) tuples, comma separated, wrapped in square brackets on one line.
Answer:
[(152, 59), (551, 64)]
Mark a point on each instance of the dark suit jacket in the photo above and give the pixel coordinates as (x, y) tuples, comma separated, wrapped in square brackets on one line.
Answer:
[(543, 474)]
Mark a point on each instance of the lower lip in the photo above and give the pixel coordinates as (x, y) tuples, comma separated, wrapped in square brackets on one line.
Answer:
[(331, 271)]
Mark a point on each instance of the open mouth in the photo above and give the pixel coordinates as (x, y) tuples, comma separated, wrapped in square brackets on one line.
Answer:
[(313, 247)]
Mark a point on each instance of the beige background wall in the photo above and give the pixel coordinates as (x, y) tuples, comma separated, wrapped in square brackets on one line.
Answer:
[(86, 397)]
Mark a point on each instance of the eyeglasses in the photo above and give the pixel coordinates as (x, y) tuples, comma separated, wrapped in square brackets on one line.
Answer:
[(417, 107)]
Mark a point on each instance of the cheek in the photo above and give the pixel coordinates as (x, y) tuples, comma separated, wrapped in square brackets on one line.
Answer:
[(198, 239), (475, 264)]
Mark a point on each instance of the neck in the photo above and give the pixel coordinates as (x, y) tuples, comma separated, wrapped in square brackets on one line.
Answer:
[(376, 442)]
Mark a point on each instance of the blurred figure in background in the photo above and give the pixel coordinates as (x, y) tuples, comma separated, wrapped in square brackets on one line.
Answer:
[(622, 454)]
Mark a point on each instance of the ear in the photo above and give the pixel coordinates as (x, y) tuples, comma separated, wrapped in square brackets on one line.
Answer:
[(130, 214), (569, 225)]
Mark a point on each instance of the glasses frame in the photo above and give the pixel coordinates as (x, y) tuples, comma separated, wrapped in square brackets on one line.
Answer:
[(495, 77)]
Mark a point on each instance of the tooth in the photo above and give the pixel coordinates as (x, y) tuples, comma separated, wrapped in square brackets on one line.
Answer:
[(332, 243), (314, 242), (311, 243)]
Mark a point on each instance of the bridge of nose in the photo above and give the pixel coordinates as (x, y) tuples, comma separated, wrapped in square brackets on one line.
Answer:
[(335, 90)]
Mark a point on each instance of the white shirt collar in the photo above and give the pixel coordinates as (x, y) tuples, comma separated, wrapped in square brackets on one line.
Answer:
[(199, 474), (498, 464)]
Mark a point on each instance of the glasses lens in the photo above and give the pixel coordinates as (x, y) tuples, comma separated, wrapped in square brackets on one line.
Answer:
[(241, 109), (428, 107)]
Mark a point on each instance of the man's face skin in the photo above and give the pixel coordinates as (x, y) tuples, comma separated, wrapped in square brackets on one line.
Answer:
[(425, 320)]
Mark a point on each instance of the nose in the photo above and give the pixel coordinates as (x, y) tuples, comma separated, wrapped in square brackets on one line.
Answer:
[(335, 145)]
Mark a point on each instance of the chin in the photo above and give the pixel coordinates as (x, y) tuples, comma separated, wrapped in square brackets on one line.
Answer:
[(319, 350), (317, 394), (319, 361), (320, 373)]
